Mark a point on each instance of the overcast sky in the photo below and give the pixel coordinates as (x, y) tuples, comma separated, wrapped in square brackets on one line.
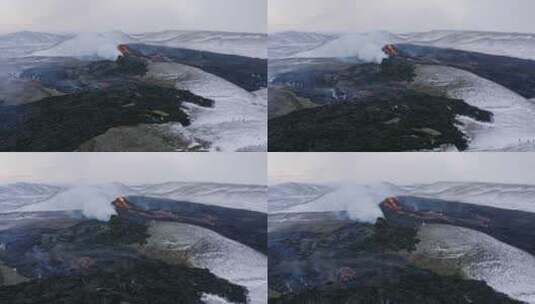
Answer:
[(402, 15), (133, 168), (133, 15), (402, 168)]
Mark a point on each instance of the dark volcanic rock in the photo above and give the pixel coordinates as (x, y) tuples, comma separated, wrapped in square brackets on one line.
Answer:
[(413, 287), (514, 227), (146, 282), (76, 77), (93, 262), (328, 261), (63, 123), (406, 122), (248, 73), (246, 227), (515, 74), (355, 83)]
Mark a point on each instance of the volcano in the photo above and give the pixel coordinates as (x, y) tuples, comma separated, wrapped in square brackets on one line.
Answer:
[(133, 257)]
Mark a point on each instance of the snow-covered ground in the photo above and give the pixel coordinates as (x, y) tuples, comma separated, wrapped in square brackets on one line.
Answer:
[(286, 44), (243, 44), (512, 128), (225, 258), (481, 257), (368, 45), (22, 44), (238, 122), (505, 268), (104, 44), (362, 201), (95, 200), (20, 194)]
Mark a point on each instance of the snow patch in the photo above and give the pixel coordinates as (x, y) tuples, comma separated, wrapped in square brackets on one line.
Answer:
[(503, 267), (367, 46), (226, 258), (237, 122), (512, 128), (362, 201), (213, 299)]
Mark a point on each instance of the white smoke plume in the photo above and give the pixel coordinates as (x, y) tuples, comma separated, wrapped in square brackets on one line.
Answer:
[(93, 200), (361, 202), (90, 45), (364, 46)]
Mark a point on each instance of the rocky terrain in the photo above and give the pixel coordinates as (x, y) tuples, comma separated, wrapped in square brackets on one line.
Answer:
[(324, 86), (471, 235), (143, 248), (329, 258), (366, 107), (108, 78)]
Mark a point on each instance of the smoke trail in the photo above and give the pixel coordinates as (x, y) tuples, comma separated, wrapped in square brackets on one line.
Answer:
[(93, 200), (361, 202), (364, 46)]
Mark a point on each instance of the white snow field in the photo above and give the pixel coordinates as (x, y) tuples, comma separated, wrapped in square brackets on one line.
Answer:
[(242, 44), (226, 258), (512, 128), (21, 44), (505, 268), (481, 257), (238, 121), (103, 45), (95, 200), (369, 44), (362, 201)]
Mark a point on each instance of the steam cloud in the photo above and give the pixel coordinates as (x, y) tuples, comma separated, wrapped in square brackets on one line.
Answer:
[(93, 200), (364, 46), (101, 45), (361, 202)]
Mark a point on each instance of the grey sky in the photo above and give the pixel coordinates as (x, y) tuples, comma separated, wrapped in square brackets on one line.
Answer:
[(133, 168), (402, 168), (402, 16), (133, 15)]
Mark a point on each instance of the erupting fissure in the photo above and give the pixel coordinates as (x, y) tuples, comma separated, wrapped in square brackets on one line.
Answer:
[(123, 49), (390, 50), (392, 203), (121, 203)]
